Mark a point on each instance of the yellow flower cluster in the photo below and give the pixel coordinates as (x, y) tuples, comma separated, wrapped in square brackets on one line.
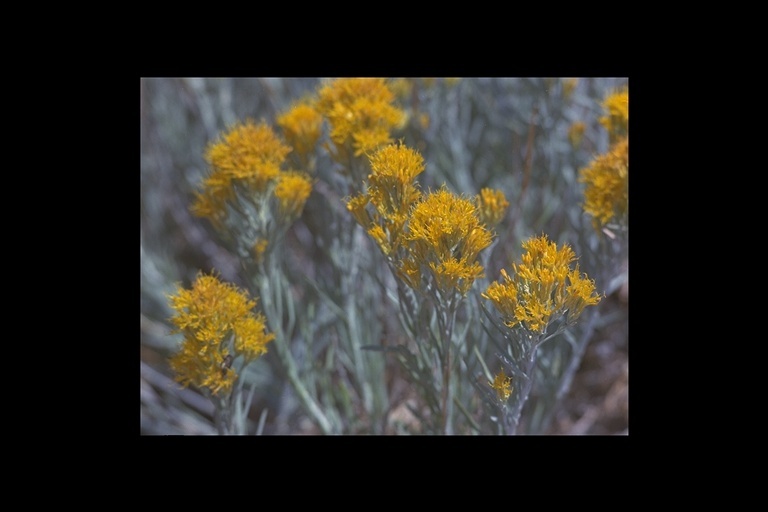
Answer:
[(542, 287), (617, 119), (491, 206), (606, 195), (249, 157), (302, 125), (218, 327), (292, 190), (391, 192), (502, 384), (436, 238), (360, 113), (445, 237)]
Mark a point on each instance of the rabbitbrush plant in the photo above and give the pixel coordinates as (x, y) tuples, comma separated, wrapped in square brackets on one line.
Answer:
[(364, 271)]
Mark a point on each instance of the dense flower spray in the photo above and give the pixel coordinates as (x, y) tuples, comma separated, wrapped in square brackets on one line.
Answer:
[(247, 195), (491, 206), (248, 155), (616, 120), (383, 209), (606, 195), (360, 113), (445, 238), (542, 288), (302, 126), (219, 329), (432, 241)]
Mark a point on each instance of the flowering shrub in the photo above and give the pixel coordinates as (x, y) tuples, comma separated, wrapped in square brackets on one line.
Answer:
[(366, 220), (302, 126), (221, 334), (360, 114), (606, 196), (616, 118), (543, 287)]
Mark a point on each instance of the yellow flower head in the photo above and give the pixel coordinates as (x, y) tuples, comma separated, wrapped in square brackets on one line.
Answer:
[(249, 152), (391, 191), (502, 384), (360, 112), (446, 236), (302, 125), (247, 155), (606, 195), (292, 191), (391, 185), (491, 206), (617, 108), (542, 288), (219, 326)]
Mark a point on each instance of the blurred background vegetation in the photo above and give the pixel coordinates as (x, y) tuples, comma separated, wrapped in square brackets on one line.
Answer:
[(519, 135)]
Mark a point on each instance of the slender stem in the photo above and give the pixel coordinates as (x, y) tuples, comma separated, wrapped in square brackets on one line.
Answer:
[(262, 420), (447, 388), (530, 368), (237, 419), (351, 309), (222, 416)]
